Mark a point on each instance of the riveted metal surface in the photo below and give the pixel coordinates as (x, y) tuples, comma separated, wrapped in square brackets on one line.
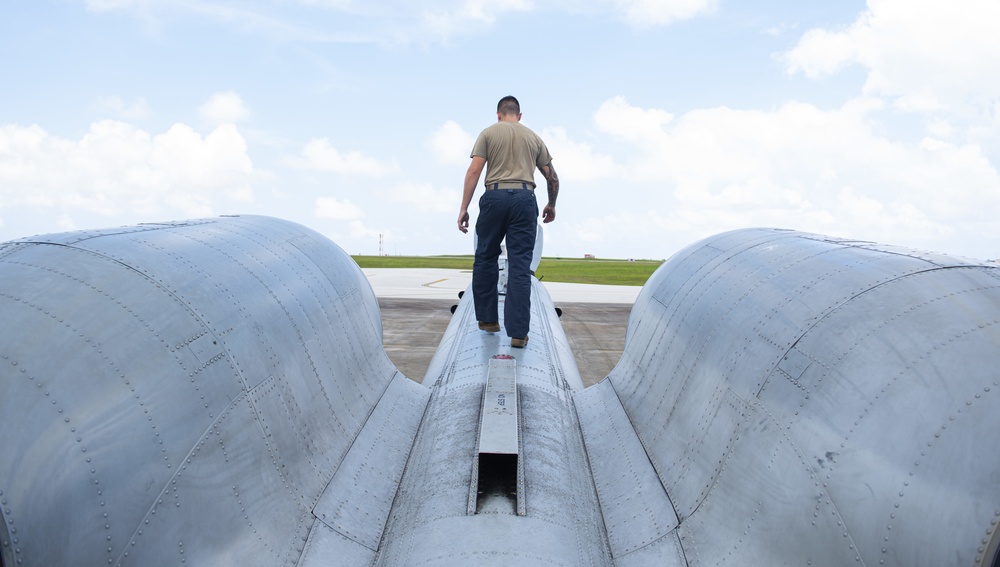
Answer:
[(703, 447), (146, 371), (664, 552), (767, 506), (812, 399), (562, 525), (636, 509), (357, 501), (793, 364), (77, 379), (498, 428), (76, 237), (202, 392), (937, 334), (325, 546)]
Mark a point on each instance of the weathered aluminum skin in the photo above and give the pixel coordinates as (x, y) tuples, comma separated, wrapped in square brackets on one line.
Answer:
[(214, 392), (808, 401), (498, 422), (430, 524), (184, 393)]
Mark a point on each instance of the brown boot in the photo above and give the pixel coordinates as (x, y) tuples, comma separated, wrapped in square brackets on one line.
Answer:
[(489, 327), (518, 343)]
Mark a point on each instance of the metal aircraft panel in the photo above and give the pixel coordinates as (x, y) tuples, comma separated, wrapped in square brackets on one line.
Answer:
[(562, 525), (637, 511), (357, 500), (863, 357), (215, 392), (891, 354), (188, 390), (766, 506), (325, 546), (498, 423)]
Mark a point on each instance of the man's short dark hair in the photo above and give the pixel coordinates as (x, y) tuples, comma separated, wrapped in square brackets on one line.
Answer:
[(508, 105)]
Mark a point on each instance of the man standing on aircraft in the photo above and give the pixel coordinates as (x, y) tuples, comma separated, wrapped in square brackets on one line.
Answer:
[(511, 152)]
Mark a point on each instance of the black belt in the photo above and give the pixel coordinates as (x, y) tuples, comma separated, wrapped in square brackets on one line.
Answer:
[(509, 185)]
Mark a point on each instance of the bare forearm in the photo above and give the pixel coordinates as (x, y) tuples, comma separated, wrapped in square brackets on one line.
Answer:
[(552, 183), (471, 180), (469, 189)]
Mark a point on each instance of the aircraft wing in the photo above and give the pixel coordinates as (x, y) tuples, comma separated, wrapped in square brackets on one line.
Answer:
[(214, 392)]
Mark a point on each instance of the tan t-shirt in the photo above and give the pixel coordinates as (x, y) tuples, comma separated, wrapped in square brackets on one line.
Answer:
[(512, 152)]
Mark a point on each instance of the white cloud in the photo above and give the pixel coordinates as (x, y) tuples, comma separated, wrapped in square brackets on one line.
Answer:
[(604, 227), (345, 213), (343, 224), (576, 161), (66, 223), (224, 108), (204, 162), (359, 231), (451, 144), (927, 52), (389, 23), (136, 110), (449, 20), (425, 198), (336, 209), (319, 155), (116, 168), (651, 13), (805, 168), (633, 124), (821, 53)]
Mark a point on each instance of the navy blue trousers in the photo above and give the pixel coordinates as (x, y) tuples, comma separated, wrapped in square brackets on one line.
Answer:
[(510, 213)]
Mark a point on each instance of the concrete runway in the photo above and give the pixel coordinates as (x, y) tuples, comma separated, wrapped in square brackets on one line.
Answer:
[(415, 306)]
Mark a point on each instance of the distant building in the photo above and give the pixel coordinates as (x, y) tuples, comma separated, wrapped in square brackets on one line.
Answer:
[(588, 255)]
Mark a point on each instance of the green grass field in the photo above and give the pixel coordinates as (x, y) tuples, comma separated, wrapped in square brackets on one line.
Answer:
[(589, 271)]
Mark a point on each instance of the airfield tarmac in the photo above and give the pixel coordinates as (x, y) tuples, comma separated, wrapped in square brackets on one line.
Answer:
[(416, 309)]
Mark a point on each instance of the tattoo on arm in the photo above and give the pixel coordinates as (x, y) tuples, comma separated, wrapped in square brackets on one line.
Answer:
[(552, 182)]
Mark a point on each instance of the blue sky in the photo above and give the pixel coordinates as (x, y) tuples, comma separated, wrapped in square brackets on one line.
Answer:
[(668, 120)]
